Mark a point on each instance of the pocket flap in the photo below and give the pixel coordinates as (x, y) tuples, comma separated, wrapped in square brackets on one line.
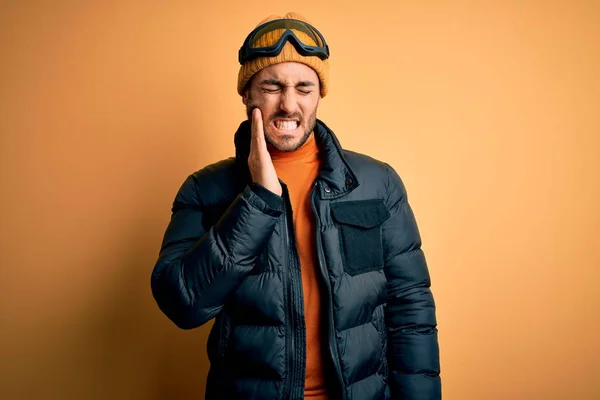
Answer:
[(362, 213)]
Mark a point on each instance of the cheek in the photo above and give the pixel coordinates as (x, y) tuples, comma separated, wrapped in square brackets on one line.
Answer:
[(256, 97), (309, 108), (269, 108), (261, 101)]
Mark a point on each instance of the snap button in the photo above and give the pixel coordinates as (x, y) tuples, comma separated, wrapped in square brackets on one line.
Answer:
[(327, 190), (349, 181)]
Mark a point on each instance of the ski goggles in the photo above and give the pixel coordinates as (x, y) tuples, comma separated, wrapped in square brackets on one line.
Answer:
[(251, 48)]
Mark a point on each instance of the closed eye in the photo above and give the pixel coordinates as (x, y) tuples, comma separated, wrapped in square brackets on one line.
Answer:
[(304, 87), (271, 90)]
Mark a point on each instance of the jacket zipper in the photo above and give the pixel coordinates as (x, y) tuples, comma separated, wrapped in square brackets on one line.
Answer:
[(325, 276), (292, 268), (221, 336)]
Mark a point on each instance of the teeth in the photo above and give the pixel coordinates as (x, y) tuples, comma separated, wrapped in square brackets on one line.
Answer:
[(286, 125)]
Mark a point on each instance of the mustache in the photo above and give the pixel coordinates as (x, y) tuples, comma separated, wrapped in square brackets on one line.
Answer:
[(275, 115), (282, 115)]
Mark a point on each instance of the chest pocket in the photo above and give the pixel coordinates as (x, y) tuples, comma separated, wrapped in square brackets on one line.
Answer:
[(359, 224)]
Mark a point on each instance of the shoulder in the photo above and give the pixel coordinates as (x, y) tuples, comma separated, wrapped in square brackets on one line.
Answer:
[(365, 166), (370, 169), (210, 185), (363, 162)]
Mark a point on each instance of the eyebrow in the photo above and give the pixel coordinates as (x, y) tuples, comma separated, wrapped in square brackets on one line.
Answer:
[(275, 82)]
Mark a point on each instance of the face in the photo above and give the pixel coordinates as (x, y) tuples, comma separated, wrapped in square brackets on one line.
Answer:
[(288, 96)]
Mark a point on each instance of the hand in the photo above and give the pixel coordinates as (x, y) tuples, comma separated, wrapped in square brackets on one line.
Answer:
[(259, 160)]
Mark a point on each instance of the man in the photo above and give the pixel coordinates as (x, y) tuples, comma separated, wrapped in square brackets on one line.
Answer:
[(307, 255)]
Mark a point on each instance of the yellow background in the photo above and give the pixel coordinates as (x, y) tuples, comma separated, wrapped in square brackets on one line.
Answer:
[(489, 110)]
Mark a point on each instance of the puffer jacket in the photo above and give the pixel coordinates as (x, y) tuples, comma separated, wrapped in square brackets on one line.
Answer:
[(229, 253)]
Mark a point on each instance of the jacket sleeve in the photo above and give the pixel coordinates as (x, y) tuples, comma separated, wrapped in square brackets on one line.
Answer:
[(198, 268), (413, 350)]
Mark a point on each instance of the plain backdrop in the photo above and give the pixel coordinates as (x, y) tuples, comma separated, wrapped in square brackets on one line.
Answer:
[(489, 110)]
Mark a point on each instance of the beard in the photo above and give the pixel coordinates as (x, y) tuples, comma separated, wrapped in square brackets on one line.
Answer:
[(286, 143)]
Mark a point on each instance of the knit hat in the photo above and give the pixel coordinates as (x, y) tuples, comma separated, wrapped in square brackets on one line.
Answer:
[(288, 54)]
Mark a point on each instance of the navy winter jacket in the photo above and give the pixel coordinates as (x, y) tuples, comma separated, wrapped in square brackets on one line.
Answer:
[(229, 254)]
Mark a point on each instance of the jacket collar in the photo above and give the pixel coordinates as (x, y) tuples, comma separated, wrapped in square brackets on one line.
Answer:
[(336, 177)]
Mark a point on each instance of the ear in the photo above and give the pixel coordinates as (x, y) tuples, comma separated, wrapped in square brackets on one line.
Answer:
[(245, 97)]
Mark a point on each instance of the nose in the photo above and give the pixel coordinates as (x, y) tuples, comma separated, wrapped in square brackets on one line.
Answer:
[(287, 102)]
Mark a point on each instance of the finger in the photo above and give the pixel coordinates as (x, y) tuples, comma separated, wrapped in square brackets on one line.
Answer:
[(253, 131), (257, 125), (258, 134)]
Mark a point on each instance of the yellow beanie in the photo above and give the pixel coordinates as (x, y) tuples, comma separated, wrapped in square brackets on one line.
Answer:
[(288, 54)]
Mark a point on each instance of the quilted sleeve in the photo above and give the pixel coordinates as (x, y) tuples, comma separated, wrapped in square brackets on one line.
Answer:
[(196, 268), (413, 350)]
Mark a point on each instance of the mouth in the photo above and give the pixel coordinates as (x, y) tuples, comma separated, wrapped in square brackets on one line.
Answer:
[(286, 125)]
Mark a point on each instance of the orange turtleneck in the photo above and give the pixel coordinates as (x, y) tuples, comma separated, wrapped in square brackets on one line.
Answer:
[(299, 169)]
